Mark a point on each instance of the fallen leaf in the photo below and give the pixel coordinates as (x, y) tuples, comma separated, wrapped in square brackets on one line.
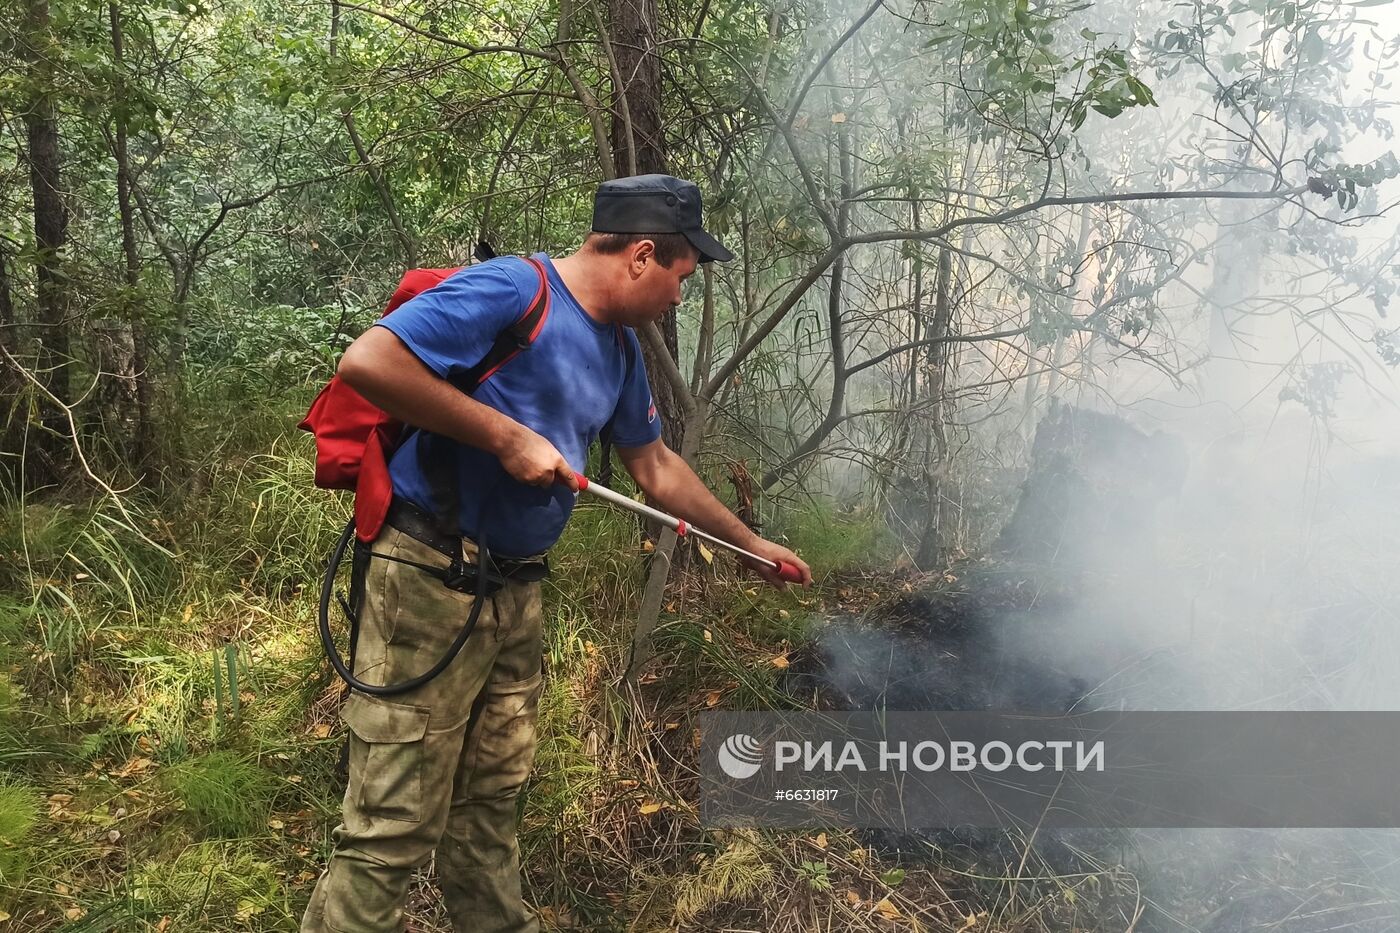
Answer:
[(783, 613), (708, 637), (275, 824), (780, 662), (294, 779), (819, 841), (884, 908), (712, 698), (247, 908), (4, 916), (60, 888), (74, 913), (189, 614), (705, 552), (671, 725), (114, 836), (321, 730), (650, 807), (137, 765), (305, 876), (853, 898), (648, 546), (163, 925)]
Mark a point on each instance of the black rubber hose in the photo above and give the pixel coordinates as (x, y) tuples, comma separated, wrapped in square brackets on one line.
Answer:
[(483, 562)]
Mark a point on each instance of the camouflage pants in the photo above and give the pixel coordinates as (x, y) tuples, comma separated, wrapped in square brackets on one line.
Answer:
[(438, 768)]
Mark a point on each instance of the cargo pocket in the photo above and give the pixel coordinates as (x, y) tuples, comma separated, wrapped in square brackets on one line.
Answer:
[(508, 737), (390, 757)]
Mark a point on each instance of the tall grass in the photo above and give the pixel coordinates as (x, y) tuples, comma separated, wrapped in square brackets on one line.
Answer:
[(224, 793), (831, 541), (19, 814)]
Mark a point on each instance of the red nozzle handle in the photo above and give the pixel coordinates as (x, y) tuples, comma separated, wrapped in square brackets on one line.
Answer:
[(788, 572), (582, 481)]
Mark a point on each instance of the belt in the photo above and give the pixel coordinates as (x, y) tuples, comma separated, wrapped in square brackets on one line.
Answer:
[(423, 527)]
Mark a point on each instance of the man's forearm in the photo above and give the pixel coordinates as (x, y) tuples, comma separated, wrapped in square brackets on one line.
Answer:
[(389, 376), (676, 489)]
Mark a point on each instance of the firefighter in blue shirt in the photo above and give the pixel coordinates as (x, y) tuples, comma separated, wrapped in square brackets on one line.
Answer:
[(439, 768)]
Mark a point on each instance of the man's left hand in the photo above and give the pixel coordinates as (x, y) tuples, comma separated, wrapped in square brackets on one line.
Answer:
[(777, 552)]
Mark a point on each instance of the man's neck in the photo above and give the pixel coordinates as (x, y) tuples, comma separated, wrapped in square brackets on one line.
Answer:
[(581, 276)]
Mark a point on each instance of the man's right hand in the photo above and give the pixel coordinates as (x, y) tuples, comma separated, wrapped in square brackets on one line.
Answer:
[(533, 460)]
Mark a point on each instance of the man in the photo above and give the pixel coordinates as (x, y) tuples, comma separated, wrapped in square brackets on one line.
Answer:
[(440, 768)]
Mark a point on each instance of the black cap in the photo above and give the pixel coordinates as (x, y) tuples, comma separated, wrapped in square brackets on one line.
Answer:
[(655, 204)]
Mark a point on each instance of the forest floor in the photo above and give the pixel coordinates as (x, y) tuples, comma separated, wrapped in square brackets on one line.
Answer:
[(169, 730)]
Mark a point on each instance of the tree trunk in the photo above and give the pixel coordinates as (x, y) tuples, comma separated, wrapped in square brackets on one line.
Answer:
[(932, 543), (639, 148), (50, 223), (652, 595), (11, 424), (135, 391), (8, 340)]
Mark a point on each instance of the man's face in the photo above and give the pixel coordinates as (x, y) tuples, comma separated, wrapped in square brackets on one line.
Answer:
[(654, 289)]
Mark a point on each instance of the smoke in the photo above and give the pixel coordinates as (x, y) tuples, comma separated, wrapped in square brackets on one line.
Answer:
[(1209, 517)]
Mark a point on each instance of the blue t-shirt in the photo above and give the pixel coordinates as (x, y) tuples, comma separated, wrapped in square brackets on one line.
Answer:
[(574, 378)]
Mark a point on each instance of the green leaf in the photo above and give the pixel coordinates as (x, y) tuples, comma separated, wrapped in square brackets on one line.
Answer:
[(893, 877)]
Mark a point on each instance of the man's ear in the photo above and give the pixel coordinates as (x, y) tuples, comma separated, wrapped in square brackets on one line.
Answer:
[(643, 252)]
